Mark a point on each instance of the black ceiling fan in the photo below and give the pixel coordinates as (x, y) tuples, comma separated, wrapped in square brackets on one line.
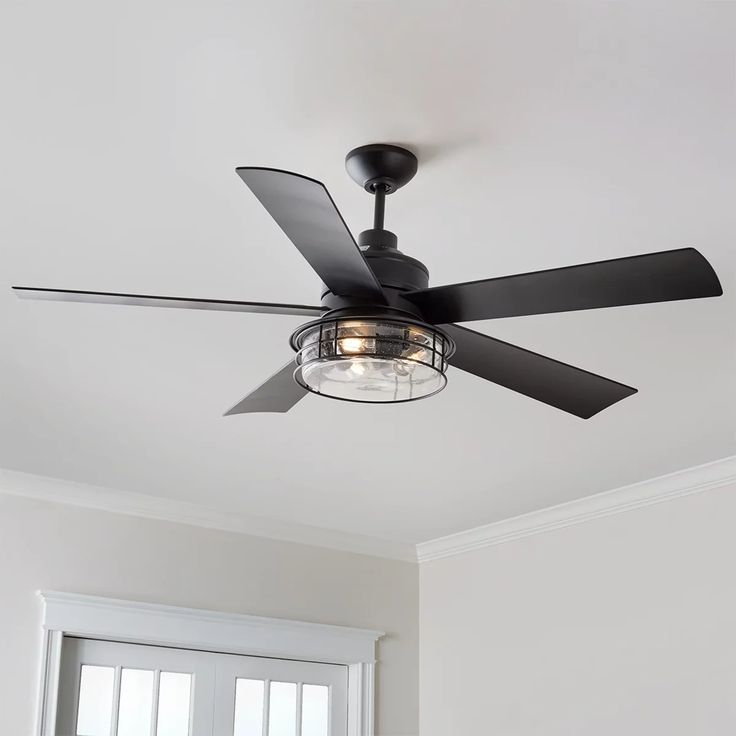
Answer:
[(382, 335)]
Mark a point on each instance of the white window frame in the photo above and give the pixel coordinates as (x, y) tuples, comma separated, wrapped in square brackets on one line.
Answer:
[(72, 614)]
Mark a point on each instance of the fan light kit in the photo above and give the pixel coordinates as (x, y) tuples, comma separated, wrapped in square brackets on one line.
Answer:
[(369, 359), (382, 335)]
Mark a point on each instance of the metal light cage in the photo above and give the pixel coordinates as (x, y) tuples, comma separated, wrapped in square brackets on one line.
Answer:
[(406, 345)]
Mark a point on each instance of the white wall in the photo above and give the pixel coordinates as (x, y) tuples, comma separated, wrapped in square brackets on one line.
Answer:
[(623, 625), (626, 624), (45, 545)]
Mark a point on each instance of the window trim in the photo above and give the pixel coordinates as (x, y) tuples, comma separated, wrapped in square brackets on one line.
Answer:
[(74, 614)]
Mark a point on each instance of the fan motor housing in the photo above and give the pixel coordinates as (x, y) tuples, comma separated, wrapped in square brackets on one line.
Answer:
[(396, 272)]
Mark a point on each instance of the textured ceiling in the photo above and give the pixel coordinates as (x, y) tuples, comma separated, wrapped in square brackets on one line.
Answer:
[(548, 134)]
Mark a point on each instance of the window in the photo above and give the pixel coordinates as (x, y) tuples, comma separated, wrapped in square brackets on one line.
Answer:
[(114, 689), (199, 673)]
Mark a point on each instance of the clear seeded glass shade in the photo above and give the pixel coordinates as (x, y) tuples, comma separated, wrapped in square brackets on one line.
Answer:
[(371, 360)]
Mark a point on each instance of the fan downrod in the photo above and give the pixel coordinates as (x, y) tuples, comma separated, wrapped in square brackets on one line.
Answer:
[(381, 165), (381, 169)]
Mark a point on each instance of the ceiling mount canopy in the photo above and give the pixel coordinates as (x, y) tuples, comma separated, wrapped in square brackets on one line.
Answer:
[(384, 335)]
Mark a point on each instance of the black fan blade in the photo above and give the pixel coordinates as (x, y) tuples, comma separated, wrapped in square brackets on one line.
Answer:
[(654, 277), (145, 300), (304, 210), (558, 384), (278, 394)]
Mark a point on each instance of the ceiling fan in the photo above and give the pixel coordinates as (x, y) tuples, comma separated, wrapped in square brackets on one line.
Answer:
[(382, 335)]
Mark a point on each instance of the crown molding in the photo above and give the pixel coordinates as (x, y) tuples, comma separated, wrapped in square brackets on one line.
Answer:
[(28, 485), (646, 493), (656, 490)]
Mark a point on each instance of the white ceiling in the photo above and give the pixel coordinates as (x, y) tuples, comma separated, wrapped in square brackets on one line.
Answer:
[(548, 134)]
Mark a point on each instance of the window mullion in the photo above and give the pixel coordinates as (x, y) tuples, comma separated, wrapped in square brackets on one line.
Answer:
[(266, 705), (116, 702), (299, 709), (154, 706)]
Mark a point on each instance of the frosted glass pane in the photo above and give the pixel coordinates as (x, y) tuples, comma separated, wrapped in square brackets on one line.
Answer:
[(136, 702), (315, 710), (95, 700), (174, 692), (282, 709), (248, 707)]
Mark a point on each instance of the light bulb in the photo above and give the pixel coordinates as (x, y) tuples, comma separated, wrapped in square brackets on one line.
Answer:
[(352, 345)]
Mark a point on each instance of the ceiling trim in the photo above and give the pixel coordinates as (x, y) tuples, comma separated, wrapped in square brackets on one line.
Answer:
[(646, 493), (28, 485), (656, 490)]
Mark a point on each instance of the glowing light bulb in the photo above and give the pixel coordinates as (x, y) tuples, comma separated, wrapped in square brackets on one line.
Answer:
[(352, 345)]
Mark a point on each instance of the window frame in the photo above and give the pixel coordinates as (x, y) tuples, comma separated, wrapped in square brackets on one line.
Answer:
[(72, 614), (118, 656)]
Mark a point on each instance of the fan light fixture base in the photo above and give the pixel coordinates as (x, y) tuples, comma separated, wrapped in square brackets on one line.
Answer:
[(380, 163)]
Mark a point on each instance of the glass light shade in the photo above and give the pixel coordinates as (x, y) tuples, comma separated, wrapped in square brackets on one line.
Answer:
[(371, 359)]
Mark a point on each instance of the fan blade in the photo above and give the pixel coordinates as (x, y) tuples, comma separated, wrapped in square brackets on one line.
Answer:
[(145, 300), (278, 394), (654, 277), (304, 210), (558, 384)]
